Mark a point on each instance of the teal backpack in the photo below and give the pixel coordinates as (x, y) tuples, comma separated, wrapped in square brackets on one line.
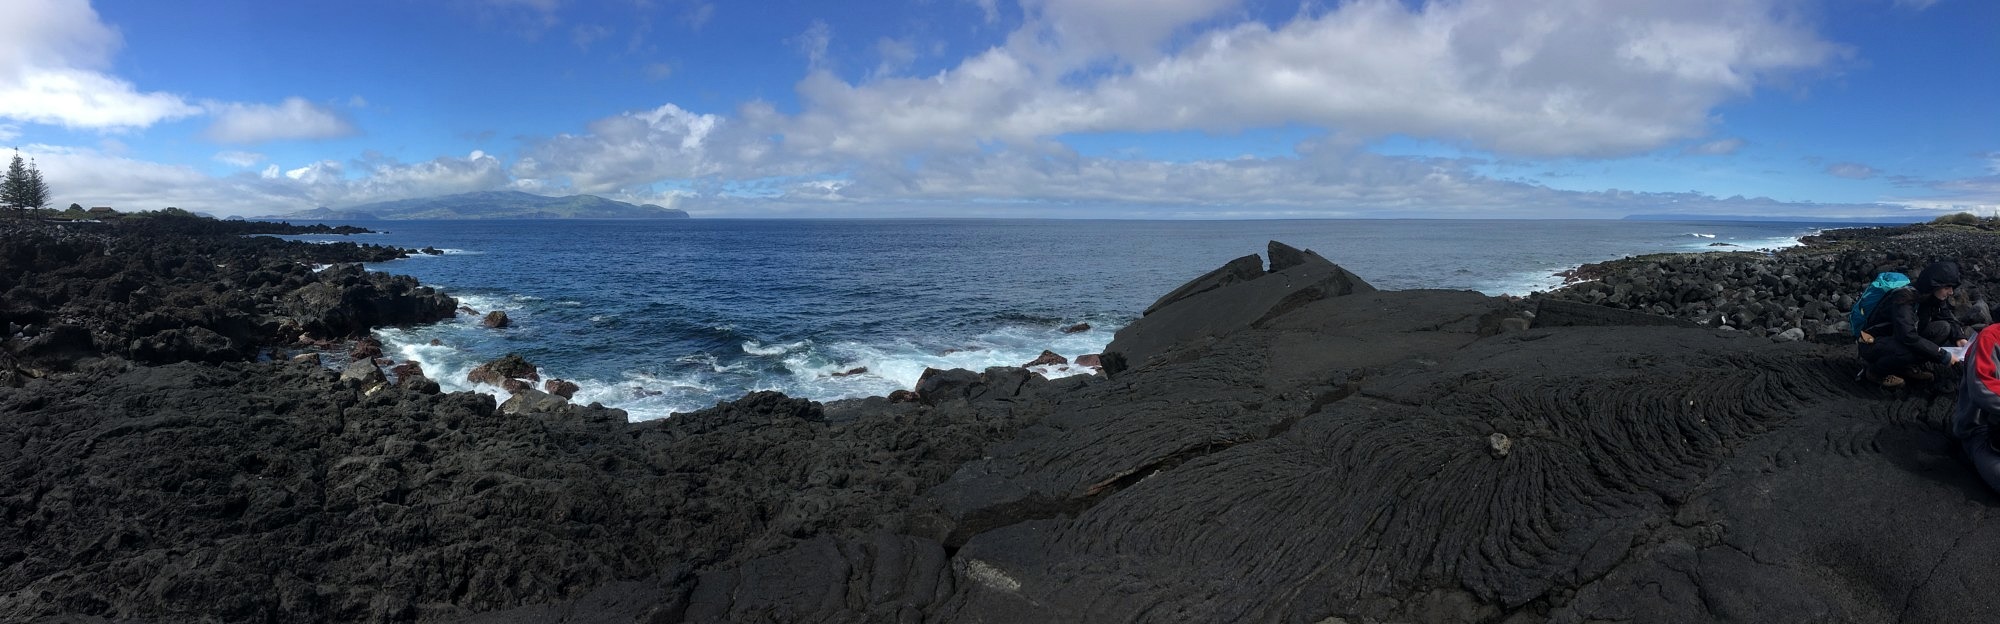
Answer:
[(1884, 283)]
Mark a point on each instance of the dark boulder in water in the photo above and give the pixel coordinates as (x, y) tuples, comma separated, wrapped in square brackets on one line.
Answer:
[(1047, 358), (510, 366), (496, 319), (561, 387)]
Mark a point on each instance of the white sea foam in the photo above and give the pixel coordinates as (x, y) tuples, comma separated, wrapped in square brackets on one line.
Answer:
[(1700, 235), (753, 347)]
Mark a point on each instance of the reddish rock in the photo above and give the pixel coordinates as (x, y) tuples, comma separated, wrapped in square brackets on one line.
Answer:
[(1079, 327), (852, 371), (902, 396), (365, 348), (1092, 360), (515, 386), (508, 366), (483, 375), (407, 370), (496, 319), (468, 310), (560, 387), (1048, 358), (437, 343)]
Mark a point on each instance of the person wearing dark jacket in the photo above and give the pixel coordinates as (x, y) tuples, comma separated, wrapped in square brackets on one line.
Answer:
[(1903, 334), (1973, 419)]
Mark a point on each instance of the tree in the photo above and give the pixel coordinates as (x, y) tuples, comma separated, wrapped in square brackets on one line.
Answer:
[(37, 194), (14, 189)]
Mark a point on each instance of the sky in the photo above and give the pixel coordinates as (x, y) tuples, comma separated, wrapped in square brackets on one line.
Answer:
[(1155, 109)]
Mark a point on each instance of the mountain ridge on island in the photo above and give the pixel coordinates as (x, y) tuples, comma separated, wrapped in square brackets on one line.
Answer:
[(492, 205)]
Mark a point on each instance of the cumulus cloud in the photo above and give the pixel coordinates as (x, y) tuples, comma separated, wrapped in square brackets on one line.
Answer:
[(1541, 78), (1852, 171), (51, 71), (295, 118), (631, 149)]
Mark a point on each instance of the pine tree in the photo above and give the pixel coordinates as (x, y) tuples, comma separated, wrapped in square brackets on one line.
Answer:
[(14, 190), (37, 194)]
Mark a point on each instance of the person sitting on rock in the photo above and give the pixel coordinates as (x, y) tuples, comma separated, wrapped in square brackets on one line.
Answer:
[(1973, 419), (1902, 335)]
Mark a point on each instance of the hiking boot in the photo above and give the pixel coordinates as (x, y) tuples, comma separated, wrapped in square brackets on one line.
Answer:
[(1886, 381)]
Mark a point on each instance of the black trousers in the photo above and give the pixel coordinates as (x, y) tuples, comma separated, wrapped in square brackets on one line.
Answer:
[(1890, 358)]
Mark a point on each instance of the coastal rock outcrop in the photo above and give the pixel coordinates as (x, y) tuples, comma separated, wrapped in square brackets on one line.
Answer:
[(1283, 445)]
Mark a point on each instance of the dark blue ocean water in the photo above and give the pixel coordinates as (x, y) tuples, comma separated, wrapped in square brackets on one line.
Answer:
[(663, 316)]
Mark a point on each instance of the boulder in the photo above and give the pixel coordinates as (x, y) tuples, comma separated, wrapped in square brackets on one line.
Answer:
[(1047, 358), (1092, 360), (532, 401), (515, 386), (510, 365), (561, 387), (852, 371), (363, 374), (1077, 328), (365, 347), (496, 319), (407, 370), (1237, 296)]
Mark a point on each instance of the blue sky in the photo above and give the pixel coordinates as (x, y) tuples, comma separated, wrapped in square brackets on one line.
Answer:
[(1019, 108)]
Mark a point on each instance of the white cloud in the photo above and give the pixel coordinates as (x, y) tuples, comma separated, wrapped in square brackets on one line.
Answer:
[(632, 149), (813, 43), (51, 71), (1852, 171), (95, 178), (1542, 78), (1915, 5), (295, 118), (239, 158), (896, 55)]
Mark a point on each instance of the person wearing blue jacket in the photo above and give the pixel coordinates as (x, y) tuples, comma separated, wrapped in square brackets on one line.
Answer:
[(1904, 334), (1973, 420)]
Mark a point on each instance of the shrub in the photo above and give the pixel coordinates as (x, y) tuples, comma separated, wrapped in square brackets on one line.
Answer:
[(1957, 218)]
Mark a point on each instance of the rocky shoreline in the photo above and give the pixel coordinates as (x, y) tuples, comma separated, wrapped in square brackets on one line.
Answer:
[(1274, 441)]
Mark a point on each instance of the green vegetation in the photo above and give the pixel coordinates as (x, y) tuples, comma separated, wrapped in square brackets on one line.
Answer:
[(23, 187), (1959, 218)]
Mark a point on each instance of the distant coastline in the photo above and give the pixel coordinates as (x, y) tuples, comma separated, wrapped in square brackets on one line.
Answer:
[(488, 205)]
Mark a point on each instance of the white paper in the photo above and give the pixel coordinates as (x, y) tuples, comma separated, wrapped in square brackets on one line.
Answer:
[(1957, 353)]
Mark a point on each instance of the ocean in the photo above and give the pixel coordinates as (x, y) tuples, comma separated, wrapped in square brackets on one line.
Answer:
[(659, 317)]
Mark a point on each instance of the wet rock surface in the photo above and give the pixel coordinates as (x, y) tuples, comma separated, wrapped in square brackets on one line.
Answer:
[(1269, 445)]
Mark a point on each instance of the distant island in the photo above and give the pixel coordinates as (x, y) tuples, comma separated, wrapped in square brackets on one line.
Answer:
[(490, 205)]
